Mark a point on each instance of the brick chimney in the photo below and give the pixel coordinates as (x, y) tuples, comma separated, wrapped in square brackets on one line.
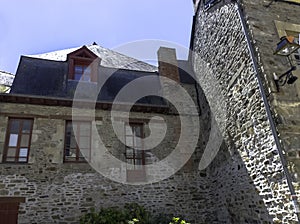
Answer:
[(167, 63)]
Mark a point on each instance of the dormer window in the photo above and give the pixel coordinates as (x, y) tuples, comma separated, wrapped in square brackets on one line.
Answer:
[(83, 65), (82, 72)]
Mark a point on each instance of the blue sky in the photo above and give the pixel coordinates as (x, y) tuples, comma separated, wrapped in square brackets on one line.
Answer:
[(38, 26)]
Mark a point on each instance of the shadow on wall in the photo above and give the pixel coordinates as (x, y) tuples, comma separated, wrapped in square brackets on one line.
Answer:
[(234, 196)]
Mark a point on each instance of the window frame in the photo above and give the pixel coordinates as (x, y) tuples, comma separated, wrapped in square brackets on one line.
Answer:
[(134, 158), (83, 57), (135, 174), (19, 139), (82, 73), (77, 157)]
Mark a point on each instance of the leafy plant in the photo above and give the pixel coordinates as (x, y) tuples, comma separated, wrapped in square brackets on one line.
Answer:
[(131, 214), (177, 220), (135, 211), (104, 216)]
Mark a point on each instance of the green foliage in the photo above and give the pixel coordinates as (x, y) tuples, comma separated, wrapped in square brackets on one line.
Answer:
[(177, 220), (135, 211), (104, 216), (130, 214)]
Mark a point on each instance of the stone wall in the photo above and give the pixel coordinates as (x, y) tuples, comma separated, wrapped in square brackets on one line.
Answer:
[(58, 192), (267, 22), (248, 184)]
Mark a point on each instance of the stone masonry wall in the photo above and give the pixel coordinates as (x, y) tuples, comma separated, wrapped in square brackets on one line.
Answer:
[(58, 192), (262, 17), (247, 180)]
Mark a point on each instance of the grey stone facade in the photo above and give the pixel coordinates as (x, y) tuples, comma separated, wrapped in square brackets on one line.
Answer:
[(58, 192), (246, 181), (251, 185)]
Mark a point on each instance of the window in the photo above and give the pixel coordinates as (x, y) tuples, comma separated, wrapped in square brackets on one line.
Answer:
[(18, 140), (77, 141), (82, 72), (134, 153), (83, 65)]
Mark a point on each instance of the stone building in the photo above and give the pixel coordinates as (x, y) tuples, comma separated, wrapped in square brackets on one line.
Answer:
[(59, 158), (245, 166), (233, 45)]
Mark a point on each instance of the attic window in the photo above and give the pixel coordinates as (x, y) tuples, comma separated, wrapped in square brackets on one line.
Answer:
[(82, 72), (83, 65)]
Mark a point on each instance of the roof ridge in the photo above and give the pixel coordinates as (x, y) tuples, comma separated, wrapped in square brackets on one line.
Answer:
[(110, 58)]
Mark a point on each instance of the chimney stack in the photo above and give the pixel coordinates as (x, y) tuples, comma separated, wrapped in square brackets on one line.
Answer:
[(167, 63)]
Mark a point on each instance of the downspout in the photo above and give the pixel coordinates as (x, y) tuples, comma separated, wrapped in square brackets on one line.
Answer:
[(269, 114)]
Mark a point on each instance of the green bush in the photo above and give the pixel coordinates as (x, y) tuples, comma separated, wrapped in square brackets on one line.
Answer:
[(104, 216), (131, 214)]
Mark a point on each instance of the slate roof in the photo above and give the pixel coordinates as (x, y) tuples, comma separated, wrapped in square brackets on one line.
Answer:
[(47, 75), (40, 77), (109, 58)]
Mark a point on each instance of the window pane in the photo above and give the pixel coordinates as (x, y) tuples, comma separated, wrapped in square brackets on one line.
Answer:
[(11, 152), (14, 126), (13, 140), (137, 142), (137, 131), (26, 126), (71, 152), (69, 128), (73, 143), (138, 153), (84, 142), (130, 161), (84, 152), (128, 130), (138, 162), (85, 129), (129, 152), (86, 78), (23, 152), (24, 140), (21, 159), (129, 141), (77, 76), (78, 69)]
